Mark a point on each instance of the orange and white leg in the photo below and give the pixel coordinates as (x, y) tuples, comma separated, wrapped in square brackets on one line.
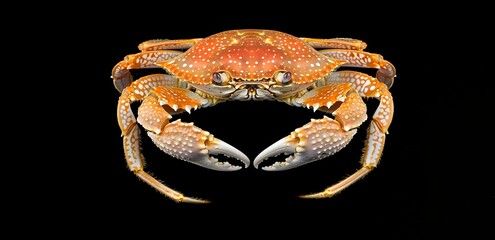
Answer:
[(162, 96), (366, 86), (338, 43), (122, 76), (152, 51), (356, 58), (131, 133), (323, 137), (184, 140), (165, 44)]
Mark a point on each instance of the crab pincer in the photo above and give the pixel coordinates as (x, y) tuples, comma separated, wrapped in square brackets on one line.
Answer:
[(189, 143), (319, 138), (184, 140), (314, 141)]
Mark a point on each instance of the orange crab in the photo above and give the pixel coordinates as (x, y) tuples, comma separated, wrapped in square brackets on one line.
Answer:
[(253, 64)]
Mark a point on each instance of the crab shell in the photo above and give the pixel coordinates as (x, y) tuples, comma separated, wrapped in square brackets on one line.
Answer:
[(251, 55)]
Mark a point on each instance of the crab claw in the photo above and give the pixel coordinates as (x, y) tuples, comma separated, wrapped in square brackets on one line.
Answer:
[(190, 143), (315, 140), (217, 147)]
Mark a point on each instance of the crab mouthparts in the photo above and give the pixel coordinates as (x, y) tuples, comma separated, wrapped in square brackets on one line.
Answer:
[(240, 84), (252, 91)]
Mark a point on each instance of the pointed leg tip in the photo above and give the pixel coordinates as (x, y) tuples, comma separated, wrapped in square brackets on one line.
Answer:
[(194, 200), (316, 195), (308, 196)]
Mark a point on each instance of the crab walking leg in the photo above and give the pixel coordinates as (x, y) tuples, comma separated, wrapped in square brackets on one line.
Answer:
[(122, 76), (152, 51), (131, 134), (163, 44), (339, 43), (366, 86), (323, 137), (354, 58)]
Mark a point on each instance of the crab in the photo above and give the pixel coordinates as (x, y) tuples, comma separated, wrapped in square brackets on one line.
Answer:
[(253, 64)]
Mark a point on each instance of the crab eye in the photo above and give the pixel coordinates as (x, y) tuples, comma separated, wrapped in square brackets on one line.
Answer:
[(283, 77), (220, 78)]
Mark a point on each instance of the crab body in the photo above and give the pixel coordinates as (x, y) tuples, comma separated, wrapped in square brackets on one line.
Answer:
[(252, 64)]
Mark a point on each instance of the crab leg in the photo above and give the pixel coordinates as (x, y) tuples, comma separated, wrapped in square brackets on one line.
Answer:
[(131, 133), (122, 76), (163, 44), (340, 43), (151, 52), (136, 92), (366, 86), (321, 138), (184, 140), (354, 58), (162, 96)]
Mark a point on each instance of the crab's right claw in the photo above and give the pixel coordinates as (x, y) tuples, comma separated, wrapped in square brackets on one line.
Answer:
[(315, 140), (190, 143)]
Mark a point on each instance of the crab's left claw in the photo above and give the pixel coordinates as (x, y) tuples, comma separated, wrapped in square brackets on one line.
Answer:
[(184, 140), (315, 140), (190, 143)]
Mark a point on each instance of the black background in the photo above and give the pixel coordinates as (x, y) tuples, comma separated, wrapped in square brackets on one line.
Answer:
[(423, 186)]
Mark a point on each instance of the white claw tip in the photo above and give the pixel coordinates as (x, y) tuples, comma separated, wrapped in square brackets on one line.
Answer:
[(282, 146), (220, 147)]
